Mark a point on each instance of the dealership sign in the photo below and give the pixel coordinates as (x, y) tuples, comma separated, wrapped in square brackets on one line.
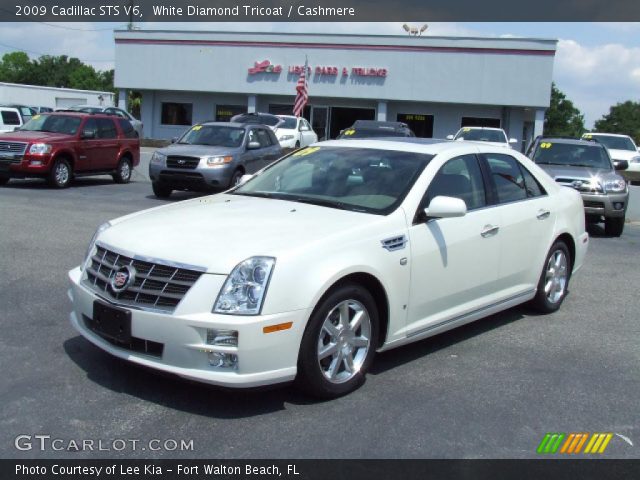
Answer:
[(330, 70)]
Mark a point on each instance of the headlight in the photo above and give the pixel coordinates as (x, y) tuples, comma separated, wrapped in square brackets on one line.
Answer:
[(618, 185), (284, 138), (218, 160), (40, 149), (244, 290), (92, 244), (635, 160), (158, 158)]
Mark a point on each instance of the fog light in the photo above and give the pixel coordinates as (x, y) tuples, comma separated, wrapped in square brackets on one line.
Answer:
[(618, 205), (224, 338), (223, 360)]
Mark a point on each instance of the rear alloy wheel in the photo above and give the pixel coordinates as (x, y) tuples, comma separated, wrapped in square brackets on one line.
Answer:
[(339, 343), (123, 172), (614, 226), (61, 174), (554, 280), (161, 190)]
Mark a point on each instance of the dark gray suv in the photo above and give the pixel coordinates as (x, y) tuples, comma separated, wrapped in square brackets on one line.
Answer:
[(587, 167), (212, 156)]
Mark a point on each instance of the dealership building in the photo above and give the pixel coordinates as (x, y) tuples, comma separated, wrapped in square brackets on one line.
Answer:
[(434, 84)]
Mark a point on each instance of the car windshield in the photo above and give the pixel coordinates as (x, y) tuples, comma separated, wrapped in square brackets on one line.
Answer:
[(369, 133), (357, 179), (289, 123), (261, 119), (481, 135), (615, 143), (591, 156), (214, 135), (53, 123)]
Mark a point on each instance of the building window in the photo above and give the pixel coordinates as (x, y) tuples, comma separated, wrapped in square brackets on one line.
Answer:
[(225, 112), (421, 125), (480, 122), (176, 113)]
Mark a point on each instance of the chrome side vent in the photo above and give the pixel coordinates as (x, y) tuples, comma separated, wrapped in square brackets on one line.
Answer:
[(395, 243)]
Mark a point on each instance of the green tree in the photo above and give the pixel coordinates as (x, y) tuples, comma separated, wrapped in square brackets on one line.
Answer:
[(562, 118), (622, 118), (15, 67)]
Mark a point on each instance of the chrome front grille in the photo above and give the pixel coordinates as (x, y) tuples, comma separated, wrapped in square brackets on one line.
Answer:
[(182, 162), (13, 150), (156, 285), (583, 185)]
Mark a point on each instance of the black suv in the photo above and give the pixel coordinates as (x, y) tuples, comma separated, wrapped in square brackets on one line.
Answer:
[(375, 128)]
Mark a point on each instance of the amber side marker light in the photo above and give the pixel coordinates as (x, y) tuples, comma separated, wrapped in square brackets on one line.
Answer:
[(277, 328)]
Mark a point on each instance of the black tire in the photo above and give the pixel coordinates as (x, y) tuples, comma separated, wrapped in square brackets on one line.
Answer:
[(4, 180), (235, 178), (123, 171), (61, 174), (614, 226), (161, 190), (311, 377), (297, 145), (548, 302)]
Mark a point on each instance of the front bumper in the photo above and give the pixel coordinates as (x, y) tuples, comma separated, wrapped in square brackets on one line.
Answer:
[(609, 205), (178, 339), (199, 179), (21, 166)]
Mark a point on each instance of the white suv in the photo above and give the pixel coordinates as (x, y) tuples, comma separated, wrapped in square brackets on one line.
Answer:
[(493, 136), (10, 119), (621, 147)]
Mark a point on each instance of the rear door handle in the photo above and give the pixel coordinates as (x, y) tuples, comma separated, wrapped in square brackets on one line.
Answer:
[(542, 214), (489, 230)]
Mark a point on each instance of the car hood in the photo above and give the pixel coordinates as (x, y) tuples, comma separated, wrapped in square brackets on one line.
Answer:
[(219, 231), (198, 150), (623, 154), (26, 136), (561, 171)]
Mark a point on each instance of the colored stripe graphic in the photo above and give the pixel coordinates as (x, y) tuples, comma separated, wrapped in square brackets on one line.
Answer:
[(573, 443)]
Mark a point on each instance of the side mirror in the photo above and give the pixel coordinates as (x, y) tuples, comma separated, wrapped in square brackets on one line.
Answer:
[(446, 207), (88, 134), (620, 164), (513, 141), (245, 178), (449, 137), (174, 139), (304, 128), (253, 145)]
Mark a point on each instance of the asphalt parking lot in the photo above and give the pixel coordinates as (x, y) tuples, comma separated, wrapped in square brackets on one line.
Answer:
[(491, 389)]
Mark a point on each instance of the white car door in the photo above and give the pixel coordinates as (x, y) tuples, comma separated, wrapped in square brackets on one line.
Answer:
[(528, 217), (307, 136), (454, 261)]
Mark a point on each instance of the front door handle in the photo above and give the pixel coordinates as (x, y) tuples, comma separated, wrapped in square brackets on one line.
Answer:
[(542, 214), (489, 230)]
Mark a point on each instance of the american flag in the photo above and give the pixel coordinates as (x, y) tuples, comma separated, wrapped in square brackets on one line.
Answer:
[(303, 93)]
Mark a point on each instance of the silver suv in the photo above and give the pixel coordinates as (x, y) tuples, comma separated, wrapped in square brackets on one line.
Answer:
[(587, 167), (212, 156)]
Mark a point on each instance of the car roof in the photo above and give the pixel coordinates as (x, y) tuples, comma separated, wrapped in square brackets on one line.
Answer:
[(431, 146), (607, 134), (568, 141), (74, 113), (234, 124), (482, 128), (371, 124)]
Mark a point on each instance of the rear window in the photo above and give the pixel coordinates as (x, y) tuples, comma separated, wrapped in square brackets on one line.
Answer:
[(10, 118), (127, 128), (481, 135)]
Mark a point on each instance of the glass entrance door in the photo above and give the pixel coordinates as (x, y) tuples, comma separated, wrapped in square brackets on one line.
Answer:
[(320, 121)]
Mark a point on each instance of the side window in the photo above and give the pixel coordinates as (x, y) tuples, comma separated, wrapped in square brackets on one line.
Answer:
[(507, 177), (90, 128), (461, 178), (106, 128), (534, 189), (127, 128), (120, 113), (263, 138), (253, 136)]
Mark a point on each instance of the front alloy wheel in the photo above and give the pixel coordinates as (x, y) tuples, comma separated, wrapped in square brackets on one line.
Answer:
[(60, 175), (339, 343)]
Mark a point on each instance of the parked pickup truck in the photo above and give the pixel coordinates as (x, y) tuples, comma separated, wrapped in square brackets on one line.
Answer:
[(62, 145)]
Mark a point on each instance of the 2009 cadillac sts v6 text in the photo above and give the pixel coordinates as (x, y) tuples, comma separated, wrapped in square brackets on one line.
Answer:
[(334, 252)]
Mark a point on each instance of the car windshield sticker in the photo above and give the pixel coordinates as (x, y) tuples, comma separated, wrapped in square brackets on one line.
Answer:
[(306, 151), (35, 117), (196, 128), (466, 129), (546, 145), (351, 131)]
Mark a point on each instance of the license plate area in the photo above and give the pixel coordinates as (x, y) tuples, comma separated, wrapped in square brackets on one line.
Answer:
[(111, 322)]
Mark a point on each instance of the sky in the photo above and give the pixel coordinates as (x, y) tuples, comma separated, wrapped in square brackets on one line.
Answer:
[(597, 64)]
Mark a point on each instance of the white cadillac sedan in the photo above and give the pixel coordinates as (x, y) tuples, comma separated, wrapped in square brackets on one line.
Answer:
[(332, 253)]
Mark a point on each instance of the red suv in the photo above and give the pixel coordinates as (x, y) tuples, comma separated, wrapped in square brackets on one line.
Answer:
[(60, 145)]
